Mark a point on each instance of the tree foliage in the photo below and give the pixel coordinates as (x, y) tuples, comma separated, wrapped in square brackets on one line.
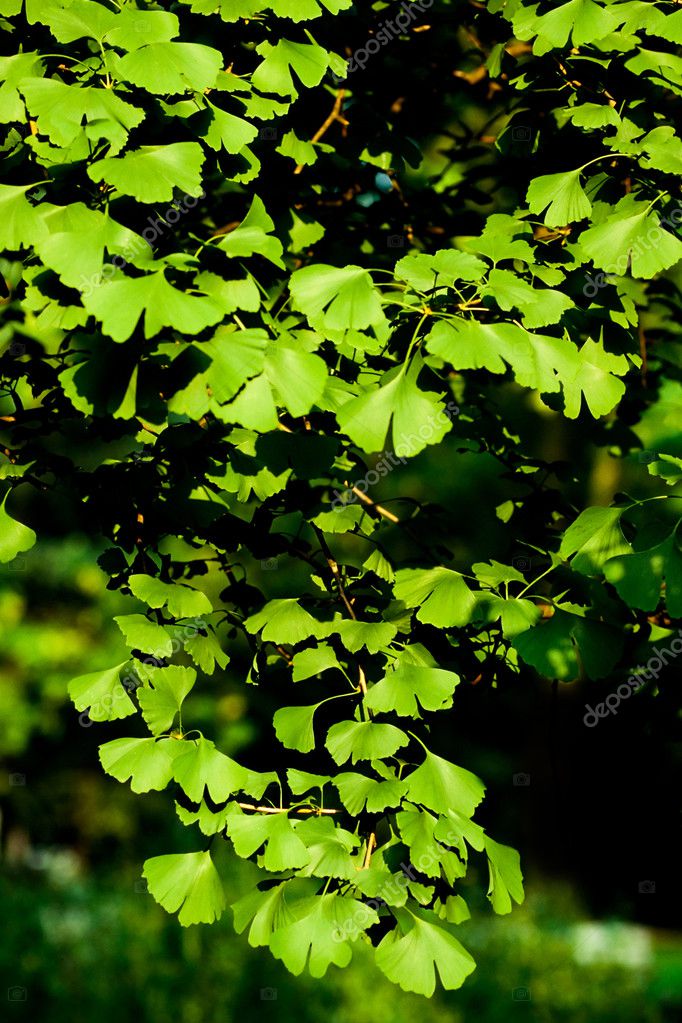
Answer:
[(209, 344)]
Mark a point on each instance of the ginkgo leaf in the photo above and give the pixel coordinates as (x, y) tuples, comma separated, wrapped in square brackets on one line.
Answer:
[(234, 10), (400, 690), (568, 644), (428, 273), (222, 130), (64, 112), (152, 173), (561, 195), (294, 727), (254, 235), (133, 28), (284, 621), (330, 849), (147, 763), (181, 601), (20, 222), (297, 378), (283, 848), (206, 651), (340, 299), (442, 786), (13, 70), (442, 596), (666, 467), (119, 304), (141, 634), (506, 879), (302, 152), (454, 828), (102, 695), (210, 823), (371, 636), (516, 615), (69, 20), (499, 239), (363, 740), (584, 21), (320, 933), (162, 700), (411, 954), (264, 911), (168, 68), (187, 882), (200, 766), (15, 537), (77, 241), (593, 538), (308, 61), (303, 781), (417, 829), (313, 661), (357, 791), (538, 306), (545, 363), (639, 576), (235, 356), (417, 418), (631, 237)]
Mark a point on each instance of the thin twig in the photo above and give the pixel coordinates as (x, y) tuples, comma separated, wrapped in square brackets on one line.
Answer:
[(371, 846), (318, 811), (335, 115), (378, 508), (334, 568), (643, 353)]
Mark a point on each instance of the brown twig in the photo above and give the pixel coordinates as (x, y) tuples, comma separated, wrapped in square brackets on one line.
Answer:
[(317, 810), (334, 569), (379, 509), (335, 115), (643, 353), (371, 846)]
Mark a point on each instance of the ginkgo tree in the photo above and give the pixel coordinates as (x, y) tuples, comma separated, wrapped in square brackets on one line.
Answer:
[(209, 344)]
